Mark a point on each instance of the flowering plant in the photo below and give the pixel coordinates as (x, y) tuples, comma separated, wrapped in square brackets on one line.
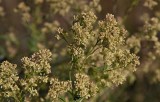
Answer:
[(98, 55)]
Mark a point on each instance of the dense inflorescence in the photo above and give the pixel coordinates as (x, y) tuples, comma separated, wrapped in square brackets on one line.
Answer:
[(150, 3), (8, 80), (58, 88), (36, 70), (90, 56), (85, 88), (99, 58), (2, 13), (99, 49)]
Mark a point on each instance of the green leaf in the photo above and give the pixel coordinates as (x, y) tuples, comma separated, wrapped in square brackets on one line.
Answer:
[(80, 100), (62, 99)]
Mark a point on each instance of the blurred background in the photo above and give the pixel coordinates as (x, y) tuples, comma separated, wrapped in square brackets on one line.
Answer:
[(29, 25)]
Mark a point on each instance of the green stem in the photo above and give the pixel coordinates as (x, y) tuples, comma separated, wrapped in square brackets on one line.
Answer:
[(129, 10)]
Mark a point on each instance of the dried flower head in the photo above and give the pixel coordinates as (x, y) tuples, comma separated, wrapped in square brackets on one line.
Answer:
[(24, 10), (37, 70), (84, 87), (100, 49), (8, 80), (2, 11), (57, 89), (150, 3)]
